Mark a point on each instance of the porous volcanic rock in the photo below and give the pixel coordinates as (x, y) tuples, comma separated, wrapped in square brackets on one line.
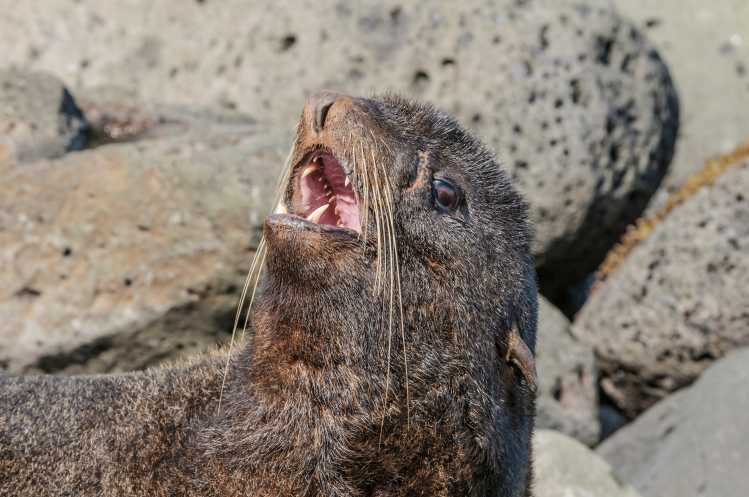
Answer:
[(116, 115), (575, 101), (695, 38), (678, 301)]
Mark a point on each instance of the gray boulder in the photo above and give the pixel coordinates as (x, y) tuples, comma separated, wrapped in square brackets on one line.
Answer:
[(116, 115), (126, 255), (695, 443), (696, 38), (38, 116), (575, 101), (565, 468), (567, 398), (679, 301)]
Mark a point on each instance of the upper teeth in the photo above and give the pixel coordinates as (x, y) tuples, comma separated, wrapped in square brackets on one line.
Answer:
[(317, 213), (309, 169)]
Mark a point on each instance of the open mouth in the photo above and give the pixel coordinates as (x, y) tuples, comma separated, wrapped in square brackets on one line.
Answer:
[(323, 194)]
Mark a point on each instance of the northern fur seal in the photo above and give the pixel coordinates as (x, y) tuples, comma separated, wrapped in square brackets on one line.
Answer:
[(392, 352)]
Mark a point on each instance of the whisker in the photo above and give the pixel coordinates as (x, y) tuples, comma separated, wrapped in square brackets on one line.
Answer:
[(283, 180), (380, 233), (258, 260), (389, 353), (396, 269), (365, 182), (263, 251), (391, 258), (238, 314)]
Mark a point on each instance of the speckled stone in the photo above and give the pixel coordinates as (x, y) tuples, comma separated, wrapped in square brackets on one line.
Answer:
[(679, 300), (567, 398), (573, 99), (698, 38), (127, 255), (38, 116)]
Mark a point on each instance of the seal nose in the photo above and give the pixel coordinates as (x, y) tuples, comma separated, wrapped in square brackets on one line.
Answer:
[(318, 105)]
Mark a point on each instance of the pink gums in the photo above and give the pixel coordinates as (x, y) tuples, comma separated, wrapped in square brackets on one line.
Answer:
[(322, 181)]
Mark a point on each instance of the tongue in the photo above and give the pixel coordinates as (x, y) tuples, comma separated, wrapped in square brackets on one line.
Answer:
[(326, 194), (348, 212)]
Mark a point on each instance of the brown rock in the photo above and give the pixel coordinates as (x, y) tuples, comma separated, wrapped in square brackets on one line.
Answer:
[(99, 246)]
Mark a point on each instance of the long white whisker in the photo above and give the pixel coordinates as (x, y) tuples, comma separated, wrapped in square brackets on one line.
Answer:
[(396, 269), (263, 252), (254, 266)]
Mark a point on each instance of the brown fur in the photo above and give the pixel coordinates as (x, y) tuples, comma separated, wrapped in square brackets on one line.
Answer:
[(329, 397)]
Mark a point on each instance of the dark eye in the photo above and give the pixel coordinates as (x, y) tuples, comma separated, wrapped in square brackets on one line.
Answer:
[(446, 196)]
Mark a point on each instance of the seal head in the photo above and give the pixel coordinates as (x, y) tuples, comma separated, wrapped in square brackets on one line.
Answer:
[(399, 287)]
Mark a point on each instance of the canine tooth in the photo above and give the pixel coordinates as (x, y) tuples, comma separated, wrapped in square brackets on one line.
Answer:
[(281, 209), (308, 170), (317, 213), (347, 182)]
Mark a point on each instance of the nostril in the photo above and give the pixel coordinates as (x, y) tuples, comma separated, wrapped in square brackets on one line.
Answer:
[(321, 104), (321, 114)]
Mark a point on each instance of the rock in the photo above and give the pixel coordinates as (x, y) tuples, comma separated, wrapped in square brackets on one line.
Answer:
[(566, 468), (120, 257), (574, 100), (115, 116), (697, 38), (695, 442), (679, 299), (38, 116), (612, 419), (567, 398)]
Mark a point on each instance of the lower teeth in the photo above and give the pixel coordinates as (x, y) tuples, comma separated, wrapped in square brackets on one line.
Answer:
[(317, 213)]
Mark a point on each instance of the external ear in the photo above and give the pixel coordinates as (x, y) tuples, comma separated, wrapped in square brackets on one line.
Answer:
[(519, 355)]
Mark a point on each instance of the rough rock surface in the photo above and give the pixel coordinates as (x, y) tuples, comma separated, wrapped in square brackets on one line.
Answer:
[(38, 116), (116, 115), (566, 468), (120, 257), (693, 444), (696, 38), (574, 100), (567, 397), (678, 301)]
